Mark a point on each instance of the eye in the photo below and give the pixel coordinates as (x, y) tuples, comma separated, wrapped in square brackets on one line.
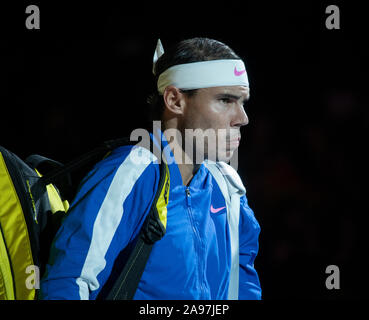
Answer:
[(225, 100)]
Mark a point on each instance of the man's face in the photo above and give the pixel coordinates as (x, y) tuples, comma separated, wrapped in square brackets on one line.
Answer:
[(218, 114)]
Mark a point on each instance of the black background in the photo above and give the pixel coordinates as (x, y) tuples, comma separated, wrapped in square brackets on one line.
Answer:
[(85, 75)]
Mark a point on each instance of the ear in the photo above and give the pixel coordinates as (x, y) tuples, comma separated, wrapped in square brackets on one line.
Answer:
[(174, 100)]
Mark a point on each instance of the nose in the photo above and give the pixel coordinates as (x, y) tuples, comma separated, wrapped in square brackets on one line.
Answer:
[(240, 117)]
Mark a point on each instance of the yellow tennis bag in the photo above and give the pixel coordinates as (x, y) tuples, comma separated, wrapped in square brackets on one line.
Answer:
[(30, 215)]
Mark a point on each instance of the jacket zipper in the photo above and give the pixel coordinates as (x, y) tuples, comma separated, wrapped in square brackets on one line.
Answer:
[(198, 243)]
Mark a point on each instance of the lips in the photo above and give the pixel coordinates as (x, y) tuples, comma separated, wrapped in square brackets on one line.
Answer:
[(237, 138), (235, 142)]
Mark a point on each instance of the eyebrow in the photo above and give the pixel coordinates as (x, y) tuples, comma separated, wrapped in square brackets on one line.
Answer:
[(231, 96)]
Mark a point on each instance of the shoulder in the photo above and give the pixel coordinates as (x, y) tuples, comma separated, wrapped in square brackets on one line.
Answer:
[(127, 159), (125, 167), (133, 155)]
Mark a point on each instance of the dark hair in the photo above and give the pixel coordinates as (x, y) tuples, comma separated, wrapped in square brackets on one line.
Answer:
[(186, 51)]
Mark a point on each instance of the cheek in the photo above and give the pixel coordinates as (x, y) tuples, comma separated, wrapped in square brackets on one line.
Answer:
[(218, 115), (209, 115), (196, 116)]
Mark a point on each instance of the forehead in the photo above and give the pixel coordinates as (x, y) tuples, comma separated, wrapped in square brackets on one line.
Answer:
[(240, 91)]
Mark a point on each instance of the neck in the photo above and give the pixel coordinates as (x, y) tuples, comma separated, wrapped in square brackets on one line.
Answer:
[(186, 165), (187, 172)]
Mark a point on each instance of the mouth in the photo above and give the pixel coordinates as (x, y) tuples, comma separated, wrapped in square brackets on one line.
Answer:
[(234, 142)]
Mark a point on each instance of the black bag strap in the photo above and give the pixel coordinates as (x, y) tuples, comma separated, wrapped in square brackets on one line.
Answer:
[(152, 230), (84, 159), (35, 160), (64, 171)]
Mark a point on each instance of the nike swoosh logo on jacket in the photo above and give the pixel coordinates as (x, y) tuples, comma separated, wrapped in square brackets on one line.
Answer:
[(192, 260)]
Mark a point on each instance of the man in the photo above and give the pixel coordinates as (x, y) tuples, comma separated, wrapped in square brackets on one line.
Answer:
[(211, 238)]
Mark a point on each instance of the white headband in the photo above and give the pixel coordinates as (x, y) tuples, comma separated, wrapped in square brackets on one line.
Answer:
[(204, 74)]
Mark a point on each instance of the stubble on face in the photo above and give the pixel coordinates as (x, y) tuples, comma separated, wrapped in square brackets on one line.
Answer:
[(206, 124)]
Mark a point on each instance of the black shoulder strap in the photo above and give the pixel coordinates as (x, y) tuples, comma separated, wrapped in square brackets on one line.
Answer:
[(36, 160), (64, 171), (152, 230), (84, 159)]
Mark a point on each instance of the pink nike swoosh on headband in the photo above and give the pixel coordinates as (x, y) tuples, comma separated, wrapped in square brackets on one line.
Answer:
[(212, 210), (238, 73)]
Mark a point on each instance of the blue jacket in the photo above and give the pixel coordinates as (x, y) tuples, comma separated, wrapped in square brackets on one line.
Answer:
[(191, 261)]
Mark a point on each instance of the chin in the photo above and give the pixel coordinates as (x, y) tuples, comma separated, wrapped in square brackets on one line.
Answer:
[(220, 155), (225, 156)]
